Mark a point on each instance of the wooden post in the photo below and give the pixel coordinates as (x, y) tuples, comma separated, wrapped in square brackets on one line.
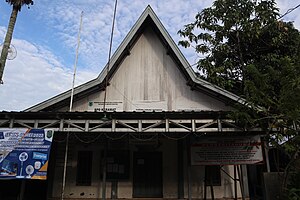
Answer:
[(235, 184), (188, 150), (104, 172), (205, 185), (208, 182), (114, 189), (180, 186), (51, 169), (212, 190), (22, 190)]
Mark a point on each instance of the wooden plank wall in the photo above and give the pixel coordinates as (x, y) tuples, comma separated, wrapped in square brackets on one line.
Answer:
[(149, 79)]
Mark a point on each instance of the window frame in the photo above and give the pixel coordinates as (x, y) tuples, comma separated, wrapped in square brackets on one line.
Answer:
[(213, 175), (84, 168)]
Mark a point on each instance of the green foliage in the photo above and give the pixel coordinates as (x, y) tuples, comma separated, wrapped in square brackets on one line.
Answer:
[(19, 3), (249, 52), (293, 188), (231, 31), (293, 194)]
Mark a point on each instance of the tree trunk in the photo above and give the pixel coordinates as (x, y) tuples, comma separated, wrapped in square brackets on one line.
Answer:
[(7, 41)]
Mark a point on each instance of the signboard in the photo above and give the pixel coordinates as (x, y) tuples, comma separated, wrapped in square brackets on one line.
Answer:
[(24, 153), (227, 151), (117, 106), (110, 106), (150, 106)]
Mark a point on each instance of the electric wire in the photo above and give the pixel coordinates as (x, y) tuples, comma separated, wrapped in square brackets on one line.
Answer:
[(88, 141), (134, 136), (289, 11), (61, 141), (124, 96), (175, 138), (144, 140), (198, 135), (115, 138)]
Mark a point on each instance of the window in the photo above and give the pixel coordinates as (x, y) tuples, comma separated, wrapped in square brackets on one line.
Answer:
[(84, 168), (117, 165), (213, 175)]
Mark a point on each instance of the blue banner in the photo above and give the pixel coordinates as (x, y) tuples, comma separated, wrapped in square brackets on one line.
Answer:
[(24, 153)]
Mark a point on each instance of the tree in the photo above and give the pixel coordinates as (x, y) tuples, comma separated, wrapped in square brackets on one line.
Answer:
[(251, 52), (16, 7)]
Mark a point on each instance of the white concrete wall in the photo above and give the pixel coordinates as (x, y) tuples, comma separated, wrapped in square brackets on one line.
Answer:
[(71, 190), (170, 175), (169, 156), (225, 191)]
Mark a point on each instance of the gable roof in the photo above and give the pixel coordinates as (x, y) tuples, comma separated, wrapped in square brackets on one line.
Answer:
[(147, 18)]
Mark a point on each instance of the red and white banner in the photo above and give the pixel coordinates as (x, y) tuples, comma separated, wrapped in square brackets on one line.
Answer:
[(229, 150)]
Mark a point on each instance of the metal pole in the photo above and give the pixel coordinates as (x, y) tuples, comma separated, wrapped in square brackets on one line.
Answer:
[(235, 184), (241, 180), (70, 109), (267, 157), (104, 101), (65, 167), (76, 61), (109, 53)]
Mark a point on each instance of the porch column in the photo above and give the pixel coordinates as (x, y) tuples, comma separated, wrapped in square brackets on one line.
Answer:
[(180, 182), (188, 151)]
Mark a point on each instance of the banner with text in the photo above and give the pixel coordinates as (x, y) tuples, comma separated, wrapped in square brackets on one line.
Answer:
[(24, 153), (108, 106), (227, 151)]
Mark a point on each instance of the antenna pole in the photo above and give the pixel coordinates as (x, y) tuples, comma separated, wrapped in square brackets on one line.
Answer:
[(76, 61), (70, 109), (109, 53), (105, 91)]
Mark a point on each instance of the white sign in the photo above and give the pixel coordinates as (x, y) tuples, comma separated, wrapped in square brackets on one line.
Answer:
[(150, 106), (109, 106), (227, 151)]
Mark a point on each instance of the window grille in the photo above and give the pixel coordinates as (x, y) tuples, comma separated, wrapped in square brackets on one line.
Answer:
[(213, 175)]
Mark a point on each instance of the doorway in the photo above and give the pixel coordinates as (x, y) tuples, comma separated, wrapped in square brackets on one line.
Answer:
[(147, 175)]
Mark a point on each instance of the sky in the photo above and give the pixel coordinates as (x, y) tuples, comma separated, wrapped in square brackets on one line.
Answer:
[(45, 38)]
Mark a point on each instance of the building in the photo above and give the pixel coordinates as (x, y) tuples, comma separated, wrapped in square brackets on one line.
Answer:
[(132, 128)]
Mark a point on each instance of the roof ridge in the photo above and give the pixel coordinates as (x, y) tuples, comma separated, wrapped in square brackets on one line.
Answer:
[(148, 11)]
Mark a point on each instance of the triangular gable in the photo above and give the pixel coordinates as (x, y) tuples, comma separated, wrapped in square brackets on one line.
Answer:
[(148, 17)]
